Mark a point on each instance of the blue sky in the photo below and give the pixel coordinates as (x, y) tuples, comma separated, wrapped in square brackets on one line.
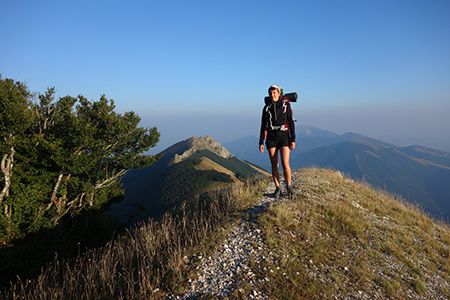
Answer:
[(191, 68)]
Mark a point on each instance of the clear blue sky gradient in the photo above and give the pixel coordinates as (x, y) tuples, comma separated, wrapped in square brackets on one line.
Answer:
[(191, 68)]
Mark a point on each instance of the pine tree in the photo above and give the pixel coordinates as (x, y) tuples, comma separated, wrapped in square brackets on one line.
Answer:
[(60, 157)]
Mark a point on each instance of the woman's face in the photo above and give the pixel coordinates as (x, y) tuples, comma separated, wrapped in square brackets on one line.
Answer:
[(274, 94)]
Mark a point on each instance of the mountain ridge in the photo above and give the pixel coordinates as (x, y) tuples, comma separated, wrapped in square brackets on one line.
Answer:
[(416, 173), (184, 171), (387, 168), (335, 238), (203, 143)]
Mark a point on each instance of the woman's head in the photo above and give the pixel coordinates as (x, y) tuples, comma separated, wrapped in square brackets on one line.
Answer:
[(275, 92)]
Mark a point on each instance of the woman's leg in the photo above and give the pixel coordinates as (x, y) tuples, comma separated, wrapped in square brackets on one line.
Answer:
[(273, 154), (284, 153)]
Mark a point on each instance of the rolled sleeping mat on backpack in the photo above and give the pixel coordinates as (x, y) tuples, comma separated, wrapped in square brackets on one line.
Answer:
[(291, 96)]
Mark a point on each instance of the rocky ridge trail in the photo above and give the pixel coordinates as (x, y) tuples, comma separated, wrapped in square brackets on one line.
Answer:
[(219, 273), (398, 253)]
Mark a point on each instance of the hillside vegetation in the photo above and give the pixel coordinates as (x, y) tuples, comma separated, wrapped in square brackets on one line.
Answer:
[(185, 170), (62, 157), (418, 174), (339, 238), (335, 239)]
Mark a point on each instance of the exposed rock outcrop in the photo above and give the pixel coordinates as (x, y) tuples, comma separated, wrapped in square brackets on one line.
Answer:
[(203, 143)]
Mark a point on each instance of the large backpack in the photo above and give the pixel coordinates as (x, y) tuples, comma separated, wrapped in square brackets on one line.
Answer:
[(277, 120), (291, 96)]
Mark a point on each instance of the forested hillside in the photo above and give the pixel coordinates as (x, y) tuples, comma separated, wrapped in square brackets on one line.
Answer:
[(185, 171)]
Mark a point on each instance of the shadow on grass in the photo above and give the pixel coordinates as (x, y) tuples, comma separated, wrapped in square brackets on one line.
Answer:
[(25, 258)]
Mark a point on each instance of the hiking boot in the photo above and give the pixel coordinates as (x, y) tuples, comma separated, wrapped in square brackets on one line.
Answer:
[(277, 193), (290, 190)]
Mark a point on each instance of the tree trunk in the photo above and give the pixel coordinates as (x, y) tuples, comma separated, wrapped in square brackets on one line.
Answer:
[(6, 167), (55, 189), (8, 213)]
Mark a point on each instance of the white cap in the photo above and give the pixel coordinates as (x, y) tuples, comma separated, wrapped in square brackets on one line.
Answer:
[(275, 86)]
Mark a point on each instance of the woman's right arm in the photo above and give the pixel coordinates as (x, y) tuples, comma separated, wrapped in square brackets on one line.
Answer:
[(262, 131)]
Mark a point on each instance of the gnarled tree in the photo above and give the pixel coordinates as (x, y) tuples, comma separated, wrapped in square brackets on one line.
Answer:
[(59, 157)]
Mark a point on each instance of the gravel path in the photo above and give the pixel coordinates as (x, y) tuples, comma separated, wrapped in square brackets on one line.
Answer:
[(221, 275), (220, 272)]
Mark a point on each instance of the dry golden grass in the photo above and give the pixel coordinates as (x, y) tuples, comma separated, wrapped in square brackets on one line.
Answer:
[(144, 263), (345, 239), (336, 238)]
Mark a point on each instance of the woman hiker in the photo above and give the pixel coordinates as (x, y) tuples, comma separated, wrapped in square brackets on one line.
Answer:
[(277, 128)]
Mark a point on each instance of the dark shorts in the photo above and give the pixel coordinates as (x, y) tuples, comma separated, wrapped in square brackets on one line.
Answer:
[(277, 139)]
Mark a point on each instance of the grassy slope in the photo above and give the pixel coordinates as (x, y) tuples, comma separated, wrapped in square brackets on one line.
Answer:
[(335, 238), (389, 169), (165, 185), (341, 238)]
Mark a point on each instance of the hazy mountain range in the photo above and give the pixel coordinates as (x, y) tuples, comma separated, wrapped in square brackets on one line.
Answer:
[(418, 174), (198, 165)]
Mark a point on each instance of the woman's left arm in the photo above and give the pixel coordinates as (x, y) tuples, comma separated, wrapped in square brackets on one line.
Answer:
[(291, 126)]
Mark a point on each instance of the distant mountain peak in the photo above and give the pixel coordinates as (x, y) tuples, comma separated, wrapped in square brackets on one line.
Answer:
[(195, 144), (185, 171), (303, 130), (373, 145)]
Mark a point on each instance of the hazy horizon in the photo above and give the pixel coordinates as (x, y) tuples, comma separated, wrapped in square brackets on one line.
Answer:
[(226, 128), (377, 68)]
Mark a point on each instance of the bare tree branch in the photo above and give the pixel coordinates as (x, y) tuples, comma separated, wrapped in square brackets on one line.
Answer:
[(109, 181)]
